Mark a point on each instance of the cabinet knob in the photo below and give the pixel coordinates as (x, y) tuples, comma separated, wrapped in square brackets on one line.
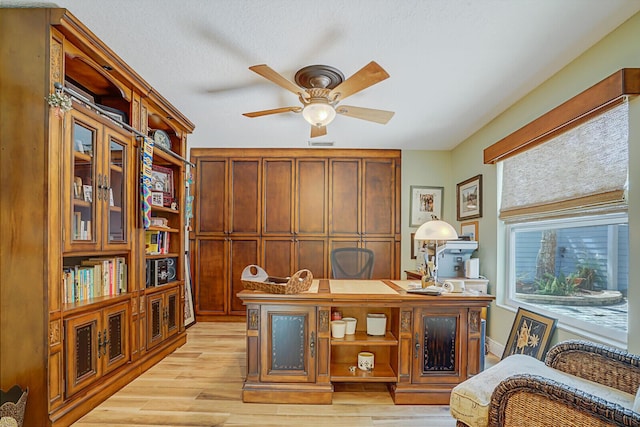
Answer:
[(312, 344), (417, 346)]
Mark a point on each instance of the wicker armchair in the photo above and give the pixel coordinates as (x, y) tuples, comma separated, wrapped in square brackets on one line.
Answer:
[(580, 384)]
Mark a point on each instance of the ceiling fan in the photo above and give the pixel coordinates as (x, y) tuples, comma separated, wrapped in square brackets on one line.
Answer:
[(320, 88)]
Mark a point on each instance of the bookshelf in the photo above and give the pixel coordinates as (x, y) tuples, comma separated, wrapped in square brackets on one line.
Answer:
[(78, 321)]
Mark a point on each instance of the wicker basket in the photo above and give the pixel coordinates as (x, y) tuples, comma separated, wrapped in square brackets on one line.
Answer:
[(255, 278)]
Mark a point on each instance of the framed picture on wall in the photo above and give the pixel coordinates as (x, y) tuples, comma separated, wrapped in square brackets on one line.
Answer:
[(469, 198), (470, 228), (425, 203)]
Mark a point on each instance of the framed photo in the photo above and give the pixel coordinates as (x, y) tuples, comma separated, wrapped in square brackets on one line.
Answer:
[(157, 198), (425, 203), (530, 334), (470, 229), (162, 181), (418, 247), (469, 195)]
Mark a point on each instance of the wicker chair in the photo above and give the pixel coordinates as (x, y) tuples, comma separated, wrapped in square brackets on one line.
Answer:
[(580, 384)]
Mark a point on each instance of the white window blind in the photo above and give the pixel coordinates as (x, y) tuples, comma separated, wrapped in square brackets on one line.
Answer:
[(584, 167)]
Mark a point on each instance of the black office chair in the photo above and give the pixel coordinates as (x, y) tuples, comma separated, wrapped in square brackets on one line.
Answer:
[(352, 263)]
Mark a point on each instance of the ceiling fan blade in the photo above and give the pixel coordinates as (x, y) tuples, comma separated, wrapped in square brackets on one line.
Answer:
[(277, 78), (318, 131), (368, 75), (273, 111), (370, 114)]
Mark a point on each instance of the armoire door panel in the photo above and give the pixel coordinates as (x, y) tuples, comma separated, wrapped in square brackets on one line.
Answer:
[(245, 203), (312, 196), (210, 196), (278, 196), (344, 204), (384, 262), (378, 197), (277, 256), (211, 277), (243, 252), (312, 254)]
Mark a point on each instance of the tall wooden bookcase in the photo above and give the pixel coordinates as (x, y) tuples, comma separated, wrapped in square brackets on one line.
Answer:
[(78, 320)]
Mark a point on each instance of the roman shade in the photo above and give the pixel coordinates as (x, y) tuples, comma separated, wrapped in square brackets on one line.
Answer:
[(585, 167)]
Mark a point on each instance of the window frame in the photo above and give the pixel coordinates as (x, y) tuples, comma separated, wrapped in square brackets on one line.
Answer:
[(565, 322)]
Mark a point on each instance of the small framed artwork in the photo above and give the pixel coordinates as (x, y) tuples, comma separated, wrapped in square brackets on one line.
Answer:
[(162, 181), (157, 198), (426, 202), (418, 248), (530, 334), (87, 192), (469, 198), (469, 229)]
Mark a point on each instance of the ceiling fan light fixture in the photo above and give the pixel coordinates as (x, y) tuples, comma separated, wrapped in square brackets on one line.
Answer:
[(319, 113)]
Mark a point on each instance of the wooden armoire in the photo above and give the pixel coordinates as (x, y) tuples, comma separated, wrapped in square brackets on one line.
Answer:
[(285, 210), (78, 317)]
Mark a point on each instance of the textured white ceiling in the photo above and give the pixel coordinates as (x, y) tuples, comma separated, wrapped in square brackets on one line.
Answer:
[(454, 64)]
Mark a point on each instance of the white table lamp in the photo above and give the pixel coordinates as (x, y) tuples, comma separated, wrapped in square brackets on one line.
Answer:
[(435, 230)]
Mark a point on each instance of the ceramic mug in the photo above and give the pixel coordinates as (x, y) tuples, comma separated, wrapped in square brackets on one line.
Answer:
[(351, 325), (365, 361), (338, 328)]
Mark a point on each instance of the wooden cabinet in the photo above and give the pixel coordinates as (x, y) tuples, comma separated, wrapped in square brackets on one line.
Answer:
[(72, 289), (163, 315), (297, 205), (98, 215), (426, 348), (437, 345), (288, 339), (97, 343)]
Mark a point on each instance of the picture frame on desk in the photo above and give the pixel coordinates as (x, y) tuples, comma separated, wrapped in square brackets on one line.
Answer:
[(162, 181), (425, 203)]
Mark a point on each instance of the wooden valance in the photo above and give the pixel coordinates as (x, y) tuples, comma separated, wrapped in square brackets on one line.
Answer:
[(605, 94)]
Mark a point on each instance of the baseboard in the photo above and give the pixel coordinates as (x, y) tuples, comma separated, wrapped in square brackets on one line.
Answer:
[(495, 347)]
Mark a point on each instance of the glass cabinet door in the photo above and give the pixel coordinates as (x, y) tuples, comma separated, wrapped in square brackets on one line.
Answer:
[(84, 137), (115, 191)]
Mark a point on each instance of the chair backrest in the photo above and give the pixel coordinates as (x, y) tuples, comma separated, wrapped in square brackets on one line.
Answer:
[(352, 263)]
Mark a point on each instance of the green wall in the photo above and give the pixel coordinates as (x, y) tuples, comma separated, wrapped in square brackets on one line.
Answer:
[(620, 49)]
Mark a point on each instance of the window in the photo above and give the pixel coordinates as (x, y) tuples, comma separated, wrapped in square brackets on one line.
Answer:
[(574, 269), (564, 207)]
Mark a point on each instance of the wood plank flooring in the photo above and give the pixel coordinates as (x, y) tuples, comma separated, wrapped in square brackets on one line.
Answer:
[(200, 385)]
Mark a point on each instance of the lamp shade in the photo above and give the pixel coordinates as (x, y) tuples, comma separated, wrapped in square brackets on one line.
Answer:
[(436, 230), (319, 113)]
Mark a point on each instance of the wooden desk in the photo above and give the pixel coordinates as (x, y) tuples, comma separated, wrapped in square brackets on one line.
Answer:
[(431, 343)]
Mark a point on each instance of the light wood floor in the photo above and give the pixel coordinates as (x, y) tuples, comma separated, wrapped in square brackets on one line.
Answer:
[(200, 385)]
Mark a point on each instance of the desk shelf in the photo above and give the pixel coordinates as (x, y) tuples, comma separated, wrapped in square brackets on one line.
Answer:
[(381, 373), (361, 338)]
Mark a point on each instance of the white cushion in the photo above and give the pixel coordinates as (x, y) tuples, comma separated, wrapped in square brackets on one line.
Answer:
[(636, 403), (470, 400)]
